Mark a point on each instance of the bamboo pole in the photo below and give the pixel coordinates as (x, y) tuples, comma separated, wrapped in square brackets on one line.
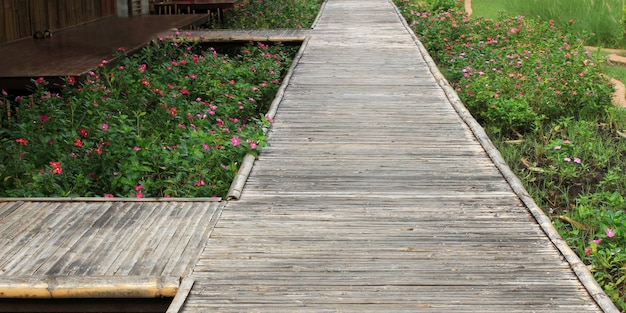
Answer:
[(64, 287)]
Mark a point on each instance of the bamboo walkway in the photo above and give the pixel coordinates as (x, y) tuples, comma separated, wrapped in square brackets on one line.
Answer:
[(378, 194)]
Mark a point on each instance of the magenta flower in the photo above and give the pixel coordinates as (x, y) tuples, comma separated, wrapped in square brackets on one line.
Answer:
[(138, 187), (139, 195), (609, 233), (236, 141), (104, 126), (598, 241), (108, 195)]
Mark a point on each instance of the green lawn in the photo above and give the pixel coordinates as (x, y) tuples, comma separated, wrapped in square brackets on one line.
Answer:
[(488, 8)]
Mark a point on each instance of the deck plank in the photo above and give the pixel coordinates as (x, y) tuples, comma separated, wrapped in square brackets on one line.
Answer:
[(375, 196), (102, 238)]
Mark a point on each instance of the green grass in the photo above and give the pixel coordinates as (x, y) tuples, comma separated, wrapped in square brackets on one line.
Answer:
[(488, 8), (600, 19)]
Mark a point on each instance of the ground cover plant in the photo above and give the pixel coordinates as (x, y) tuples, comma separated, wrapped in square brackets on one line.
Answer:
[(171, 121), (602, 20), (546, 104), (268, 14)]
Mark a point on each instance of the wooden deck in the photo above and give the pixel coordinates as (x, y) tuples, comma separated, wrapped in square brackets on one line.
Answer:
[(286, 35), (376, 196), (69, 245), (77, 50)]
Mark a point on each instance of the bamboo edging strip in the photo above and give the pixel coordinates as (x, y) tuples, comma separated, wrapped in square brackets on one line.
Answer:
[(582, 272), (181, 296), (238, 183), (104, 199), (64, 287)]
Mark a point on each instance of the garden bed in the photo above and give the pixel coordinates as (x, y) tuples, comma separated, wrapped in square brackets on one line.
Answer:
[(174, 120)]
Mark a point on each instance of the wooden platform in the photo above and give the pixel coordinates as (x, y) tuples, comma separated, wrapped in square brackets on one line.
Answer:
[(287, 35), (100, 244), (77, 50), (376, 196)]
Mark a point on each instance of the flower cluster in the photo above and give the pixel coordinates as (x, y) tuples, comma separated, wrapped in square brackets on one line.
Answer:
[(173, 120), (596, 242), (514, 72)]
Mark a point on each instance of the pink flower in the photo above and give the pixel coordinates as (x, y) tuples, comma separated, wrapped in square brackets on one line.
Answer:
[(598, 241), (40, 80), (142, 68), (557, 148), (104, 126), (236, 141), (205, 146), (138, 187), (199, 183), (577, 160), (136, 148), (139, 195), (108, 195), (609, 233), (567, 159)]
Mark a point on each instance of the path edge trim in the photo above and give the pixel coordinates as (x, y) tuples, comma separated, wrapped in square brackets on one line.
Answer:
[(236, 187), (579, 268)]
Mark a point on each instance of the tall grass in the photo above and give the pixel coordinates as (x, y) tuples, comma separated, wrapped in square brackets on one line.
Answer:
[(600, 19)]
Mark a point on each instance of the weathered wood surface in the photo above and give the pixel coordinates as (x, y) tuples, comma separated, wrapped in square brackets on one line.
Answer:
[(76, 50), (241, 35), (102, 239), (375, 196)]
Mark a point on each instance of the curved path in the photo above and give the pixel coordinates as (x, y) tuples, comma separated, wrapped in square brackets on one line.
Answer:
[(379, 194)]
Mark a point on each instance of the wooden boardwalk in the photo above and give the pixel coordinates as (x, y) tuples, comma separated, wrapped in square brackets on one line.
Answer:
[(376, 196), (104, 245)]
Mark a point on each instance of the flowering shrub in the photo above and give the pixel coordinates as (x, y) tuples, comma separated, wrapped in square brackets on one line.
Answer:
[(545, 104), (540, 71), (267, 14), (171, 121)]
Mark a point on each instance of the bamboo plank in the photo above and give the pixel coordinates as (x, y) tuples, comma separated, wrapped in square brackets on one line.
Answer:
[(103, 239)]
